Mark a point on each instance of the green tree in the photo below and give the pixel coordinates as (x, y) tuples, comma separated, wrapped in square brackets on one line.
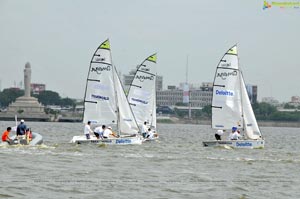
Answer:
[(264, 110), (207, 110), (9, 95), (288, 106), (67, 102), (180, 113), (49, 98)]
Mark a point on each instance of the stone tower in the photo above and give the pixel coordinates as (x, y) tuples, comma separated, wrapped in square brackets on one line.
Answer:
[(27, 107)]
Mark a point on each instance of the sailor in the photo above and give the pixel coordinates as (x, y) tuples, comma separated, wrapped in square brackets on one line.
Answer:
[(149, 134), (234, 134), (107, 132), (98, 131), (21, 129), (87, 130), (219, 133), (144, 129), (5, 135), (28, 135)]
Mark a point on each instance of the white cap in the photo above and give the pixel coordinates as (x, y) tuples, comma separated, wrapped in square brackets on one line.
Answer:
[(109, 127), (22, 121)]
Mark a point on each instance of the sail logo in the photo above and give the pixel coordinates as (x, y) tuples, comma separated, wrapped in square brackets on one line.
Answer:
[(243, 144), (224, 75), (143, 78), (141, 93), (101, 87), (99, 69), (100, 59), (145, 69), (224, 92), (226, 64), (123, 141), (99, 97), (139, 100)]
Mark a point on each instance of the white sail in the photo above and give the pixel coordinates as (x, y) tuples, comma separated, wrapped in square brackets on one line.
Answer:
[(251, 128), (142, 92), (99, 100), (153, 122), (231, 105), (127, 123), (226, 101)]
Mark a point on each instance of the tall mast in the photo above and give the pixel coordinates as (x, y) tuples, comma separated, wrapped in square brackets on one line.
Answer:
[(186, 80), (242, 107)]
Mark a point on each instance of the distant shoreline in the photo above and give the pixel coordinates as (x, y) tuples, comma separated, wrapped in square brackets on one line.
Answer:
[(208, 122), (170, 120)]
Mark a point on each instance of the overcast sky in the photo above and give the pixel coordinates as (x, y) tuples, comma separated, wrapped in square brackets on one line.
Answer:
[(58, 38)]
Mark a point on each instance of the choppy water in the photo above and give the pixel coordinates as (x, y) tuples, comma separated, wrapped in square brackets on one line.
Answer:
[(177, 166)]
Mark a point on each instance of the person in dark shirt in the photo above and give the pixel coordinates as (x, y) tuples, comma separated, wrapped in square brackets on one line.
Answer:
[(21, 129)]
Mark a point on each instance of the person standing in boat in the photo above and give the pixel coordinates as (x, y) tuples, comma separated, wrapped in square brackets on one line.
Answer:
[(5, 135), (219, 133), (87, 130), (21, 129)]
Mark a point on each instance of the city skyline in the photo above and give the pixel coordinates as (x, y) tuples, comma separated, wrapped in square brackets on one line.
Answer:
[(58, 39)]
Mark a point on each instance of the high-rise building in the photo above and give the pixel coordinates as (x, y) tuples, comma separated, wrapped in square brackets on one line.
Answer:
[(252, 93), (198, 96)]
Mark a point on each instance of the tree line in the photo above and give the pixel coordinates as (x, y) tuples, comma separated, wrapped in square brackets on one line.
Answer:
[(47, 97), (263, 111)]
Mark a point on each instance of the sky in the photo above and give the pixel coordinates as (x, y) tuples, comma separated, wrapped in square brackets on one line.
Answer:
[(58, 38)]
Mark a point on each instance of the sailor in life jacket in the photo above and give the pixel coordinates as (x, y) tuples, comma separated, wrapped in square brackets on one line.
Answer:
[(234, 135), (28, 135)]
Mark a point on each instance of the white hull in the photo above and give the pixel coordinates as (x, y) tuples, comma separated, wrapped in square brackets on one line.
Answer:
[(37, 139), (244, 144), (156, 137), (111, 141)]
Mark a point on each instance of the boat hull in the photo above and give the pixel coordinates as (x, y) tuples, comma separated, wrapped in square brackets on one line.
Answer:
[(246, 144), (111, 141), (37, 139), (156, 137)]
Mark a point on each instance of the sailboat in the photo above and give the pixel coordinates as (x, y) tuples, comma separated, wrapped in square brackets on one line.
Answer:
[(231, 106), (142, 94), (105, 101)]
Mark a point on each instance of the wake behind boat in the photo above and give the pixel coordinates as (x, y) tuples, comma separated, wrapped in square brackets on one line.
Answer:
[(231, 107), (105, 101)]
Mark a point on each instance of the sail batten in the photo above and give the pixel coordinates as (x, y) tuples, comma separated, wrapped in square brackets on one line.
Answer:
[(100, 62)]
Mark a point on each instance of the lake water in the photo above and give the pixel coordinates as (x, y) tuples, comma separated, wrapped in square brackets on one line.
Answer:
[(177, 166)]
